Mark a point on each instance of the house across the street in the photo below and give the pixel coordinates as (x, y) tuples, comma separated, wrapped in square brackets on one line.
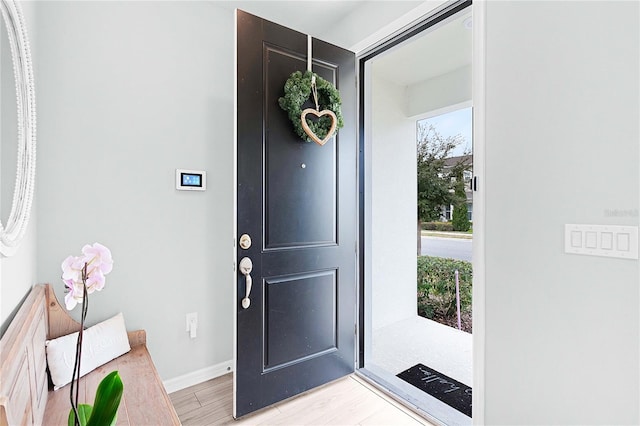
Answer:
[(467, 174)]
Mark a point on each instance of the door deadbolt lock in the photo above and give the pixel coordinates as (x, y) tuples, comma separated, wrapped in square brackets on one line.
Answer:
[(245, 241)]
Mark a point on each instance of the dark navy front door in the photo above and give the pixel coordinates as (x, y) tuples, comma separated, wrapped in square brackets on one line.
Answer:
[(297, 202)]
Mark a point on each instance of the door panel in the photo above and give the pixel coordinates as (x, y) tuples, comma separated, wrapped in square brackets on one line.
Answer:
[(299, 179), (297, 201), (301, 319)]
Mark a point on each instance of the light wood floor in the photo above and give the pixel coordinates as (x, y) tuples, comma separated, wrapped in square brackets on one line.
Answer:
[(348, 401)]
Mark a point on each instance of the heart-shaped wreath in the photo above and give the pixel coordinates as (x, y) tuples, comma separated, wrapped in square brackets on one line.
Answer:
[(297, 90)]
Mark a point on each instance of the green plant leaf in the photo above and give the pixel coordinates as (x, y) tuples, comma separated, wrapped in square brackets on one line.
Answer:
[(108, 395), (437, 286), (84, 412)]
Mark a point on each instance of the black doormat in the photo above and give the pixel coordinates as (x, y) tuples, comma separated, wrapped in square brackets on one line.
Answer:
[(436, 384)]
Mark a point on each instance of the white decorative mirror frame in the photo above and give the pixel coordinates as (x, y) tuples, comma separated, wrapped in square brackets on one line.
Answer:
[(12, 232)]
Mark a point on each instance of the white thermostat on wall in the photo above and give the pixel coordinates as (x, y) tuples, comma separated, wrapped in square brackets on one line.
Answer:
[(191, 180)]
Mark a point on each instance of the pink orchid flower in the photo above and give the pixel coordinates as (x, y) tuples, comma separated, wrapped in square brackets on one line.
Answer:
[(75, 294), (98, 257), (98, 262), (72, 268)]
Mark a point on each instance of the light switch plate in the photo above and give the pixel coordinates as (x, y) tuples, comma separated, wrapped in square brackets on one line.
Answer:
[(601, 240), (192, 320)]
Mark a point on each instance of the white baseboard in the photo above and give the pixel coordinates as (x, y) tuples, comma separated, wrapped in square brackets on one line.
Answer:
[(198, 376)]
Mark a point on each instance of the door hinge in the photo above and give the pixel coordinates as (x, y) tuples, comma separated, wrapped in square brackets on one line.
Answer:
[(474, 184)]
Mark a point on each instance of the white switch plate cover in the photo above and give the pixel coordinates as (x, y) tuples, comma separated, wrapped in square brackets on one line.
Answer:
[(601, 240), (192, 318)]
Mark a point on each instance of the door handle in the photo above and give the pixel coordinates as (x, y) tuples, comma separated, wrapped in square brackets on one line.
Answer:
[(246, 266)]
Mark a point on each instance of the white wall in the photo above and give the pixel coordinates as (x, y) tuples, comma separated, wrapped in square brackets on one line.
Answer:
[(128, 92), (17, 275), (562, 146), (18, 272), (393, 206)]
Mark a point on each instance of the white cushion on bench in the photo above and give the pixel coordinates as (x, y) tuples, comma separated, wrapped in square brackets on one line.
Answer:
[(100, 344)]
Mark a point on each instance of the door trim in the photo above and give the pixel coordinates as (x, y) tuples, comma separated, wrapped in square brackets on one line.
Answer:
[(412, 23), (478, 94)]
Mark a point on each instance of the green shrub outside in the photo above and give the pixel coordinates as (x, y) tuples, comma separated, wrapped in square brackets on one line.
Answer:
[(460, 220), (429, 226), (437, 226), (437, 286), (444, 226)]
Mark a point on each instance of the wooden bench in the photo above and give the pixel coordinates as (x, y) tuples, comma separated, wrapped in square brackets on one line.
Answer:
[(27, 398)]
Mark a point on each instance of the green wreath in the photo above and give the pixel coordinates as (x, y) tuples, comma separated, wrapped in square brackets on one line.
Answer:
[(297, 91)]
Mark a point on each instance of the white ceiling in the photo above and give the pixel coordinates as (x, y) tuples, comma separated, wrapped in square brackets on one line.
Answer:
[(436, 52)]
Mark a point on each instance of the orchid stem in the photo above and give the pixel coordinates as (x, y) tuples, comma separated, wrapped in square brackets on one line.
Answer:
[(75, 378)]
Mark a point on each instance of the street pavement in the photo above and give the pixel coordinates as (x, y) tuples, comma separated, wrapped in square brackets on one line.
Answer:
[(453, 248)]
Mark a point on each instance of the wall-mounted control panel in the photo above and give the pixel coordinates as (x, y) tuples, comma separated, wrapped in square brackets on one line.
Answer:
[(191, 180), (602, 240)]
